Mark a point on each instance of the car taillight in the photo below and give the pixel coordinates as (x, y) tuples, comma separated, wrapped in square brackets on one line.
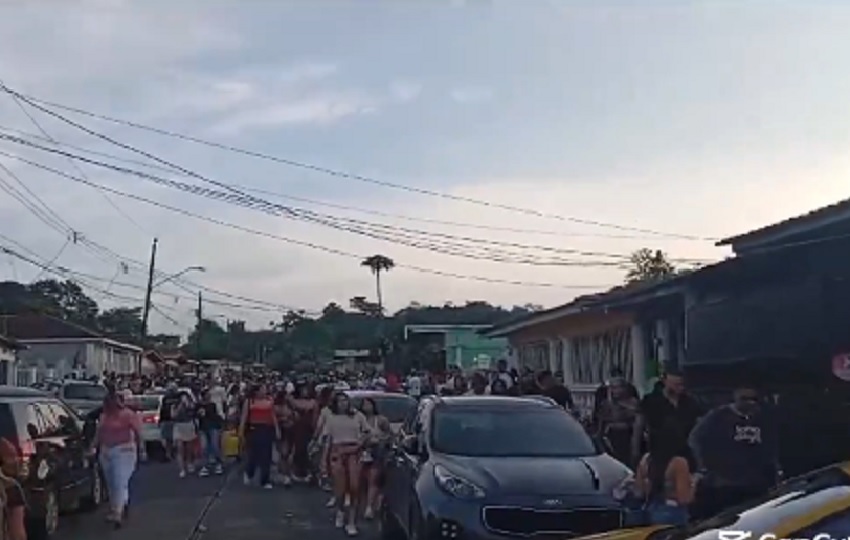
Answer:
[(150, 419)]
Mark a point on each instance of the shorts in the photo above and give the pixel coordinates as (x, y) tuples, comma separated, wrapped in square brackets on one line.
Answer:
[(184, 432), (166, 429)]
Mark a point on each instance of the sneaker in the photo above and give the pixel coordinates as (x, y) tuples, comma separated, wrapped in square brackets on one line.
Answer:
[(219, 469), (246, 479), (287, 481), (182, 474), (204, 472), (347, 501), (369, 513), (268, 486), (351, 529), (331, 502), (339, 522)]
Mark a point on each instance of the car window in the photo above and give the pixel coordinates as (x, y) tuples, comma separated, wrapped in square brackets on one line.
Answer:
[(51, 419), (37, 424), (491, 432), (8, 426), (92, 392), (63, 416), (395, 408)]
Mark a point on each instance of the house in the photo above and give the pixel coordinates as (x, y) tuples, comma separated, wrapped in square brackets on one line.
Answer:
[(153, 363), (462, 346), (784, 297), (584, 341), (9, 349), (56, 348)]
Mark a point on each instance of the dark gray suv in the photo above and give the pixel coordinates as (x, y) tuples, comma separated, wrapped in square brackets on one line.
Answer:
[(487, 468)]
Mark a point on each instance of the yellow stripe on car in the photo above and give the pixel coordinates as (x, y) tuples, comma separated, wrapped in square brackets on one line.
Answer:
[(794, 524)]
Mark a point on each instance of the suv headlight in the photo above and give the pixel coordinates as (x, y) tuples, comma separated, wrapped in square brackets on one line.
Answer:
[(456, 486)]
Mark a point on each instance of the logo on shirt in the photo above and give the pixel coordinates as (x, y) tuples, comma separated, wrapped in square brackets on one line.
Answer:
[(748, 434)]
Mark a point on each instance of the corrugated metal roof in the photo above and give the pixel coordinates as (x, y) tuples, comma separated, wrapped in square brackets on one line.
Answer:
[(833, 211)]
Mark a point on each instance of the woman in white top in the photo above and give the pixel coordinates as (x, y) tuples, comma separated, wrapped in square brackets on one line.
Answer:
[(346, 429), (372, 458)]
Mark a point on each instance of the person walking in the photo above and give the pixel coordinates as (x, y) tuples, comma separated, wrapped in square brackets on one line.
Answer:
[(210, 425), (259, 429), (185, 434), (347, 431), (117, 440)]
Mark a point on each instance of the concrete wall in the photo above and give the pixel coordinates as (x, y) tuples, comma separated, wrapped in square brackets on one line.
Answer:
[(55, 360)]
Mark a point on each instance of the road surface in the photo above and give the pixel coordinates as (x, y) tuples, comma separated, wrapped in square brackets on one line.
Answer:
[(165, 507)]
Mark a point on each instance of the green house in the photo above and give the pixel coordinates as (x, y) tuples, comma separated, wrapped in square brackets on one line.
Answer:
[(464, 346)]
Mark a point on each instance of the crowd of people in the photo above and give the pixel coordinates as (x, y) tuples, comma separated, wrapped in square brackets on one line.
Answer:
[(688, 461)]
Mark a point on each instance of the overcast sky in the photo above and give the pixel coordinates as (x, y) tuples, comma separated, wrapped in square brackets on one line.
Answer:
[(678, 117)]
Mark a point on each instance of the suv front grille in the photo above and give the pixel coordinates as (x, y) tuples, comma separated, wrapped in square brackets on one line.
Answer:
[(530, 522)]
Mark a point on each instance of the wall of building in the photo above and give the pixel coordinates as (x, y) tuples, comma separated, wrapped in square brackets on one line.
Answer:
[(8, 367), (51, 360), (582, 324), (467, 349)]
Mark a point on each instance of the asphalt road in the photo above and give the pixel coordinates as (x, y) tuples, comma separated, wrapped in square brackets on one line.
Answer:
[(165, 507)]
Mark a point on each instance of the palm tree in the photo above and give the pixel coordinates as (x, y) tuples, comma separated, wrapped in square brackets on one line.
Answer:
[(378, 264)]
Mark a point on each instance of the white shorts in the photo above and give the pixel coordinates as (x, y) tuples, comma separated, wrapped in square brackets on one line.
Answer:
[(184, 432)]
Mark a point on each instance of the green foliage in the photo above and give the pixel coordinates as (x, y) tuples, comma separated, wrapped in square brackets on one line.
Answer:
[(295, 338), (648, 265)]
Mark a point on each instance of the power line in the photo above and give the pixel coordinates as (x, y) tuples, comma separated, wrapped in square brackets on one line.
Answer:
[(43, 105), (293, 241), (462, 246), (367, 211), (74, 164)]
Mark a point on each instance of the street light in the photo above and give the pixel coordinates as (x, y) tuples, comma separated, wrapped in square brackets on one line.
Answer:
[(181, 273)]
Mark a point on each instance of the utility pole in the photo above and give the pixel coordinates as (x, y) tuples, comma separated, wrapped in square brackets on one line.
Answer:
[(199, 325), (146, 309)]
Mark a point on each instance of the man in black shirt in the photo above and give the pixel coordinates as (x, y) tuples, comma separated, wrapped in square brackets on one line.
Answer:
[(669, 413), (549, 387)]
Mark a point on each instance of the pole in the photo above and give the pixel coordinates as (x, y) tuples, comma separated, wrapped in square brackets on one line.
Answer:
[(198, 327), (146, 309)]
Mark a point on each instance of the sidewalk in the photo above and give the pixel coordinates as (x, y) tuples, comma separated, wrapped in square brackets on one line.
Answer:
[(252, 513)]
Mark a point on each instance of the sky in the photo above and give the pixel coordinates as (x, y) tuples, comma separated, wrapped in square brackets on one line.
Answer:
[(698, 120)]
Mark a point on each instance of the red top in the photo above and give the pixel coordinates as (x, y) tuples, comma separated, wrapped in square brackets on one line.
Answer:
[(261, 411), (393, 384), (118, 428)]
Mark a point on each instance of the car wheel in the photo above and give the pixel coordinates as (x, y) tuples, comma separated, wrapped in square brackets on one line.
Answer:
[(388, 525), (95, 496), (44, 527)]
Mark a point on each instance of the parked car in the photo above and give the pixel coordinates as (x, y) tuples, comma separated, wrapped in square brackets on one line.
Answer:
[(395, 407), (82, 396), (815, 505), (489, 467), (148, 407), (58, 472)]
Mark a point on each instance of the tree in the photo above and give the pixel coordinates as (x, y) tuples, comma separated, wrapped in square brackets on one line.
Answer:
[(378, 264), (648, 265), (361, 305), (65, 299), (121, 321)]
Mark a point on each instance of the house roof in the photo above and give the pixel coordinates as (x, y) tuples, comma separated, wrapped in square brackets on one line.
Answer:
[(839, 211), (11, 344), (583, 304), (154, 356), (36, 326)]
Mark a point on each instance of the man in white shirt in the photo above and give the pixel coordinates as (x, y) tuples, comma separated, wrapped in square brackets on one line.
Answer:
[(218, 395), (414, 385)]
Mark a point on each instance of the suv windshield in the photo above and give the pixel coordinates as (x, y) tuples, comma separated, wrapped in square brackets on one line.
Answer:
[(90, 392), (509, 433)]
